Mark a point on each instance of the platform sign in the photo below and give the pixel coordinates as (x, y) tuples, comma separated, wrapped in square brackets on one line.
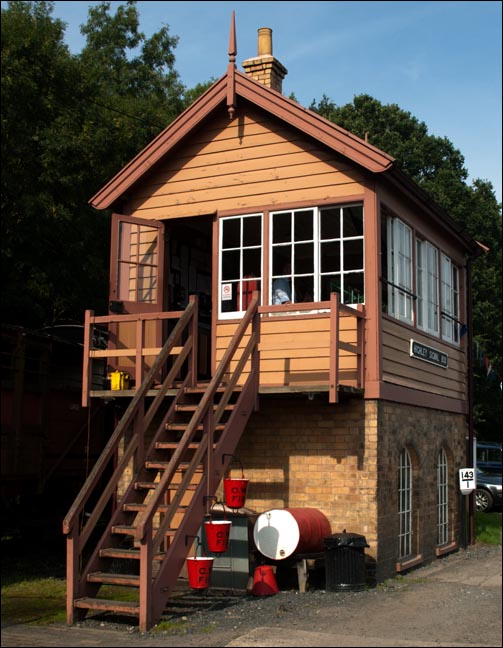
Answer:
[(467, 480)]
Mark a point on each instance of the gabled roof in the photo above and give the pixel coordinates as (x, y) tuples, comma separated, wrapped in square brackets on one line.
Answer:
[(307, 121)]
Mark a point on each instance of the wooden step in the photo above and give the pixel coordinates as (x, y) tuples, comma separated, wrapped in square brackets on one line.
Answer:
[(162, 508), (173, 445), (202, 388), (126, 529), (106, 578), (162, 465), (126, 554), (192, 407), (181, 427), (107, 605), (153, 485), (136, 508)]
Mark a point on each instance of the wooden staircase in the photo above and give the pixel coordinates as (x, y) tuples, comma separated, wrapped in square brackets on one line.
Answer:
[(152, 518)]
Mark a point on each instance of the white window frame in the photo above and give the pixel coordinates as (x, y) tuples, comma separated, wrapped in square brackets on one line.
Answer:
[(237, 283), (450, 300), (316, 243), (427, 280), (400, 296), (405, 504), (442, 498)]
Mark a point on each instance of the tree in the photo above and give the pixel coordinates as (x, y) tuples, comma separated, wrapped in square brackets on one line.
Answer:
[(68, 123), (438, 168)]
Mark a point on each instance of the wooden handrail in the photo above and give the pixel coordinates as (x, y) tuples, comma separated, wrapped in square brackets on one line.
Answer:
[(113, 443), (137, 352), (145, 521)]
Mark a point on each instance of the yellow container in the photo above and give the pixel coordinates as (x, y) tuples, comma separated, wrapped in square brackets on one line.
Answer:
[(119, 380)]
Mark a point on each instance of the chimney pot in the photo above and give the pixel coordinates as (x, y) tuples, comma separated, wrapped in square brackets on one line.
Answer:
[(265, 41), (264, 68)]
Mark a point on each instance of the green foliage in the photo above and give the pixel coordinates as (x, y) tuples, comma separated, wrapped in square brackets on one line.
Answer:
[(69, 123), (40, 601), (488, 527)]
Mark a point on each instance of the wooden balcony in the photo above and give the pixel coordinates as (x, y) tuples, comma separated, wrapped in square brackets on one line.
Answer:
[(312, 347)]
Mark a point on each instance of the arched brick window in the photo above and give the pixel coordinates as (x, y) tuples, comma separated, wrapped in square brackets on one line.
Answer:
[(405, 504), (442, 498)]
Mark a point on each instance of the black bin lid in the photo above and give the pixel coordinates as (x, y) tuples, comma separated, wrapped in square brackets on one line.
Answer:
[(345, 539)]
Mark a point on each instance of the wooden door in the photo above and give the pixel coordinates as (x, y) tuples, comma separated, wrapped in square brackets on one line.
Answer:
[(136, 279)]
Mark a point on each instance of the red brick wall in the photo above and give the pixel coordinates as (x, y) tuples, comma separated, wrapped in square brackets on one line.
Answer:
[(343, 460)]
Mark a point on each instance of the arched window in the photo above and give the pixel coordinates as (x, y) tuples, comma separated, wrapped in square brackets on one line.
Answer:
[(442, 498), (405, 504)]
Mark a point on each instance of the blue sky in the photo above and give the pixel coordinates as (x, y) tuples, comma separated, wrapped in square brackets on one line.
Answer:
[(440, 61)]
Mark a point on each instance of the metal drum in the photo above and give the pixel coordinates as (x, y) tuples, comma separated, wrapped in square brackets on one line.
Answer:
[(280, 533)]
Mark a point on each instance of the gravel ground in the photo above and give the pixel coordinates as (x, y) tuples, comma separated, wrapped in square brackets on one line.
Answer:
[(454, 599)]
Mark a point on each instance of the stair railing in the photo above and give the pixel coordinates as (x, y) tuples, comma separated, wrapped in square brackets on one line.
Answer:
[(204, 411), (155, 592), (135, 418)]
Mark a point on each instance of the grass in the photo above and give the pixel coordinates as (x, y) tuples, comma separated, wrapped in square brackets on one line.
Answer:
[(35, 592), (488, 527)]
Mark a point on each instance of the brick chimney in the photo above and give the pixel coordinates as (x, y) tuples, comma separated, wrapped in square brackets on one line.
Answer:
[(264, 67)]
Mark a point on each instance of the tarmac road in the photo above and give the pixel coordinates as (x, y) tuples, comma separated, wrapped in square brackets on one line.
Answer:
[(454, 601)]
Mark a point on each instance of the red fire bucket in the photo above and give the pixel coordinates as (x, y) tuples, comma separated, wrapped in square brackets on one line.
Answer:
[(264, 581), (235, 492), (199, 571), (217, 535)]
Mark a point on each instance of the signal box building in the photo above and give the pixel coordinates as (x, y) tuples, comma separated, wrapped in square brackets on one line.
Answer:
[(349, 396)]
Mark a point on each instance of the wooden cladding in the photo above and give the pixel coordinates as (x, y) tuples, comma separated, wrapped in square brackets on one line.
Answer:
[(295, 351), (250, 162), (401, 369)]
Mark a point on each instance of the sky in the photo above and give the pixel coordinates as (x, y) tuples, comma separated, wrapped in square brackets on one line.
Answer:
[(439, 61)]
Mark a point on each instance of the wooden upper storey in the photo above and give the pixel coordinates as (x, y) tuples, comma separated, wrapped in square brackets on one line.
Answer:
[(275, 155)]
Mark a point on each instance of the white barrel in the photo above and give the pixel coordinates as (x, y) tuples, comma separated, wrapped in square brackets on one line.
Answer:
[(280, 533)]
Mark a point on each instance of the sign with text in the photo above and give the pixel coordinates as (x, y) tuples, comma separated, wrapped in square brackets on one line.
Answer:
[(226, 292), (467, 480), (426, 353)]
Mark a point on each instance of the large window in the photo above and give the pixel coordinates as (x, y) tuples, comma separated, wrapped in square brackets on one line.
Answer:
[(427, 287), (430, 297), (405, 504), (399, 283), (442, 498), (450, 301), (315, 252), (240, 262)]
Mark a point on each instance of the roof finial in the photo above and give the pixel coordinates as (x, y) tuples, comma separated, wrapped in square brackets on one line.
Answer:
[(231, 68), (232, 41)]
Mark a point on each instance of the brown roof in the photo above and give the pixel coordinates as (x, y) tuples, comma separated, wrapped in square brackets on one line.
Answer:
[(307, 121)]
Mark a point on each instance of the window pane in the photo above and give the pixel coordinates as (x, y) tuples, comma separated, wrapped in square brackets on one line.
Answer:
[(330, 260), (282, 227), (353, 254), (353, 221), (353, 288), (252, 231), (246, 295), (251, 262), (231, 233), (303, 226), (330, 284), (281, 260), (330, 226), (303, 259), (230, 265), (228, 297), (304, 289)]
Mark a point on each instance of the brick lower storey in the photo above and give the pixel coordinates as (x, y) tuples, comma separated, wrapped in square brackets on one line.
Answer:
[(344, 461)]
